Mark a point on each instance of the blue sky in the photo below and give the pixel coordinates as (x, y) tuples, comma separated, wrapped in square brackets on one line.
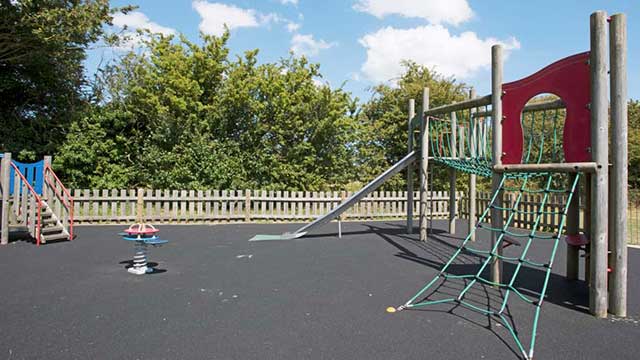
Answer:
[(360, 42)]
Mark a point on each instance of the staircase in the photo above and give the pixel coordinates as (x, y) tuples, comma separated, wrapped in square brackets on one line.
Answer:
[(46, 215), (51, 226)]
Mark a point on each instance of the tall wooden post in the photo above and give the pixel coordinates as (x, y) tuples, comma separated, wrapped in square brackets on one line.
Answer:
[(452, 174), (473, 141), (600, 151), (619, 181), (424, 164), (496, 118), (5, 180), (410, 188), (588, 206)]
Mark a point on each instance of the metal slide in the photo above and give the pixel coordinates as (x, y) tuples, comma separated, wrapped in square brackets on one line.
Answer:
[(373, 185)]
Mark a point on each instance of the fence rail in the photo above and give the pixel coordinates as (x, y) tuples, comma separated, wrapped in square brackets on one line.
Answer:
[(235, 206), (215, 206), (527, 208)]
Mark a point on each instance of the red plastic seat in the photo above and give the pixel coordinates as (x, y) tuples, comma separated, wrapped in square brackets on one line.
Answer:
[(576, 239)]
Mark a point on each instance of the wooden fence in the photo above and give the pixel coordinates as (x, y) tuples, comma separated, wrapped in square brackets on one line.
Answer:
[(527, 208), (214, 206), (235, 206), (633, 218)]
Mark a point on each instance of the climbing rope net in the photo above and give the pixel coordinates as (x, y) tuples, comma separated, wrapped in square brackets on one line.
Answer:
[(473, 156), (462, 140)]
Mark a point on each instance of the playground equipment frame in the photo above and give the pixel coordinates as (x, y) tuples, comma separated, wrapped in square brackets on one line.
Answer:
[(606, 224)]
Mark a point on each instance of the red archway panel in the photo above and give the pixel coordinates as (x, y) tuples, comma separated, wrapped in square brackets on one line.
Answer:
[(570, 80)]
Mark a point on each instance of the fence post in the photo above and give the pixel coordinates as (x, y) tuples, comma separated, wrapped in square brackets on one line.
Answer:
[(343, 197), (140, 207), (247, 205), (5, 173)]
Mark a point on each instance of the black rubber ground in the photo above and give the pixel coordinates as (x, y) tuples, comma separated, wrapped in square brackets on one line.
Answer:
[(217, 296)]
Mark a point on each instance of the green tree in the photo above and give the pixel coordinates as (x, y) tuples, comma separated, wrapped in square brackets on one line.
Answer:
[(181, 115), (384, 120), (43, 44)]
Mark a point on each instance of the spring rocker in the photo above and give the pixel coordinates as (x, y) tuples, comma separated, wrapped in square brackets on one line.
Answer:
[(142, 235)]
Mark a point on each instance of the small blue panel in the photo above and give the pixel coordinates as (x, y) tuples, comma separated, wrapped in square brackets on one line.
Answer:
[(34, 174)]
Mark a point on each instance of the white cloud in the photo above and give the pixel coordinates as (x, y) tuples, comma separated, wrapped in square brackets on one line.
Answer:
[(432, 46), (292, 2), (307, 45), (269, 18), (435, 11), (130, 39), (216, 15), (136, 20), (292, 26)]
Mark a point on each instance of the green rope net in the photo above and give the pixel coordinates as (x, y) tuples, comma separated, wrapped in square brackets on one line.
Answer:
[(461, 141), (490, 256)]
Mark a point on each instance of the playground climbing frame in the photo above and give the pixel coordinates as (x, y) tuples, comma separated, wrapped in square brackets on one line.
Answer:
[(581, 82)]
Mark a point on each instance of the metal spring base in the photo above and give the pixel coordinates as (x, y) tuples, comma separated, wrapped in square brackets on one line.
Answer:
[(140, 261)]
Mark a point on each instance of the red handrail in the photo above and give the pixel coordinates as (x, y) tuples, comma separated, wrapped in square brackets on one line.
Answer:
[(69, 204), (35, 195)]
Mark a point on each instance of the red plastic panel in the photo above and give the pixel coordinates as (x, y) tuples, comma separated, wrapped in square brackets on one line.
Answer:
[(568, 79)]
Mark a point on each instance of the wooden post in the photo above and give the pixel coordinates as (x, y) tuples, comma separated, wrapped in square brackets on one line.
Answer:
[(424, 164), (5, 180), (452, 174), (24, 195), (496, 118), (46, 192), (573, 223), (412, 114), (588, 206), (599, 143), (343, 197), (140, 207), (619, 181), (247, 206), (473, 140), (461, 142)]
